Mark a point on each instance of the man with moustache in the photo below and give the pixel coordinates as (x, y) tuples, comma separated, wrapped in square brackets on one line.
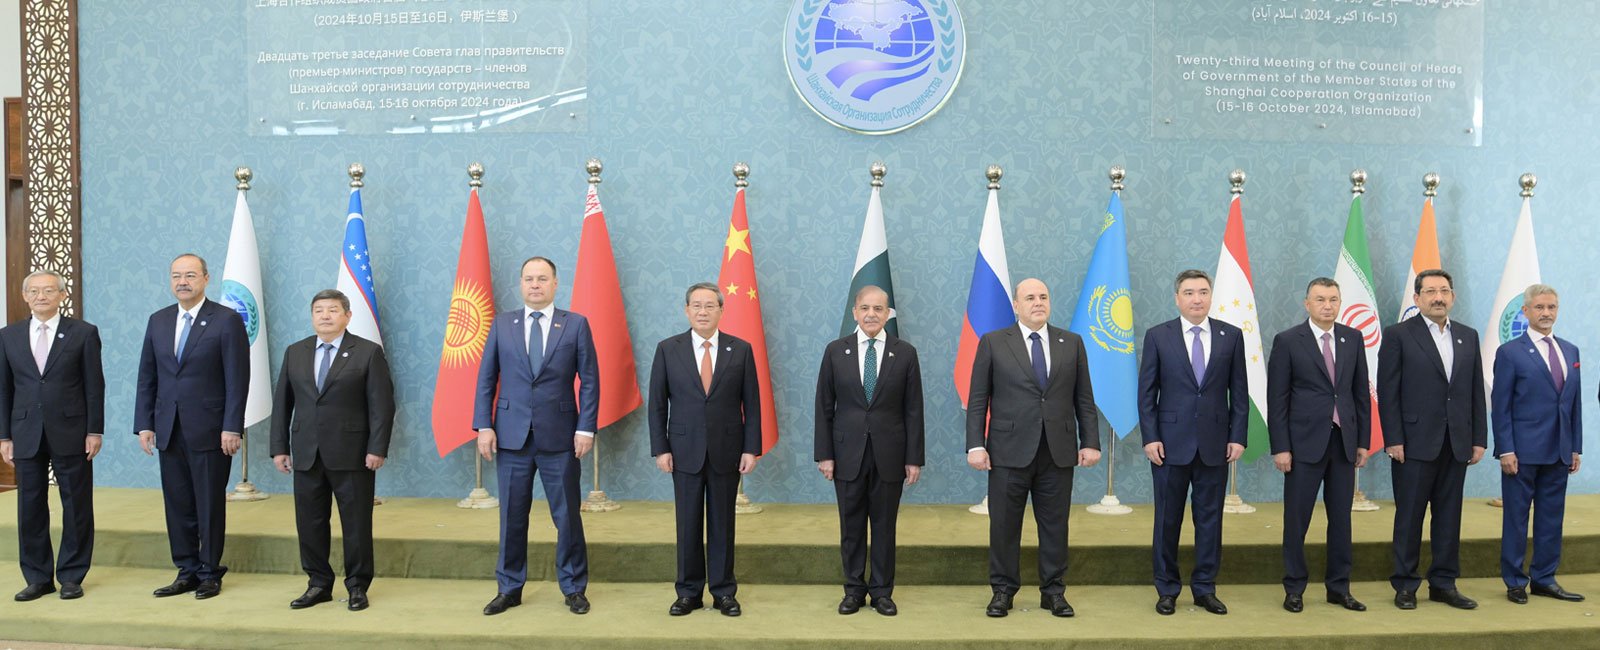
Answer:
[(334, 388), (1431, 401), (705, 431), (1194, 409), (869, 443), (1031, 418), (194, 377), (53, 395), (1538, 437), (1320, 427)]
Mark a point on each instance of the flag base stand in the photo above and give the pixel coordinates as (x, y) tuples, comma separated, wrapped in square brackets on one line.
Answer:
[(982, 508), (1233, 504), (378, 501), (1110, 505), (1496, 503), (1362, 504), (246, 491), (599, 502), (478, 499), (742, 504)]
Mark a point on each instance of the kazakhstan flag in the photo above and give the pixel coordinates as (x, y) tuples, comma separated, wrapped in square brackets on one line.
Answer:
[(1104, 318)]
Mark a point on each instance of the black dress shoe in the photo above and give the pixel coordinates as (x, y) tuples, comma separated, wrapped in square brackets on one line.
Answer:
[(999, 606), (1294, 603), (178, 587), (1452, 598), (850, 604), (685, 606), (1211, 604), (1551, 590), (312, 596), (501, 603), (1518, 595), (35, 592), (885, 606), (1166, 605), (1346, 601), (1057, 604), (71, 591), (578, 603), (208, 589), (1405, 599), (728, 605), (358, 600)]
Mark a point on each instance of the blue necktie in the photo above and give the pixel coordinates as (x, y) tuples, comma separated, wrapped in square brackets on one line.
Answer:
[(1039, 373), (322, 366), (535, 343), (183, 338), (1197, 355), (869, 372)]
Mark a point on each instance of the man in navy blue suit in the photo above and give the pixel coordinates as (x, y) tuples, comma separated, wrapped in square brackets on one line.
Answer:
[(194, 376), (53, 397), (538, 426), (1538, 437), (1194, 410)]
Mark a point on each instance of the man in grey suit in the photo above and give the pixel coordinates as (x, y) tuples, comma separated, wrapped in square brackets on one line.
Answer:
[(1030, 419), (334, 412)]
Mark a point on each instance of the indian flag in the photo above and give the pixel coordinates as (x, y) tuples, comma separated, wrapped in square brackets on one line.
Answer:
[(1424, 256), (1233, 300), (1359, 309)]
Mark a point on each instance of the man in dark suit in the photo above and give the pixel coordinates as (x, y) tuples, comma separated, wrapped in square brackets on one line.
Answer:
[(705, 430), (1320, 424), (1031, 418), (1431, 404), (334, 410), (1538, 437), (1194, 410), (534, 354), (194, 376), (869, 443), (53, 397)]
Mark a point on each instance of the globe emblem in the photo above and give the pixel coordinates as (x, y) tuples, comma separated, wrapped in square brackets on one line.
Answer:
[(874, 66), (1513, 323), (241, 300), (1361, 317)]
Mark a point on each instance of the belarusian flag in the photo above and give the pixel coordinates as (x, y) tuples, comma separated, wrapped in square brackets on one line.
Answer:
[(1358, 308), (466, 330), (741, 315), (597, 294), (1506, 320), (241, 290), (1233, 300), (1424, 256), (872, 267)]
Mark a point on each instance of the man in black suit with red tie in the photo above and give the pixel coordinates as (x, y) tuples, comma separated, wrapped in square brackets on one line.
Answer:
[(705, 430), (869, 443), (1031, 419), (1320, 424), (52, 397), (194, 376), (1435, 423), (334, 410)]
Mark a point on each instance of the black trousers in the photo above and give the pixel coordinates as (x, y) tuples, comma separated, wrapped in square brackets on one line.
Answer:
[(315, 491), (1335, 476), (868, 503), (705, 503), (1009, 489), (1421, 485), (75, 479), (194, 487)]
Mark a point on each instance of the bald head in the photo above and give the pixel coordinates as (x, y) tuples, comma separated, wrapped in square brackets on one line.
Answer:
[(1032, 303)]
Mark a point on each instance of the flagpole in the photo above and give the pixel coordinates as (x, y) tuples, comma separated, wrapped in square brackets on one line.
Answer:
[(597, 501), (1233, 503), (1361, 503), (1527, 181), (245, 490), (478, 498), (741, 503), (1110, 504), (993, 173)]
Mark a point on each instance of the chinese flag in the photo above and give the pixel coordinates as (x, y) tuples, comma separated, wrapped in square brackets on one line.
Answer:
[(741, 315), (597, 295), (471, 313)]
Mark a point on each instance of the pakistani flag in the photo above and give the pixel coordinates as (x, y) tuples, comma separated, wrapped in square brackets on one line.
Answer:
[(1233, 300), (1358, 308), (1506, 320), (872, 267), (241, 290)]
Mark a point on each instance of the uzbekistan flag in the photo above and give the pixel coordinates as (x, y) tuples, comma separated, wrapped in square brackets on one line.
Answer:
[(355, 274)]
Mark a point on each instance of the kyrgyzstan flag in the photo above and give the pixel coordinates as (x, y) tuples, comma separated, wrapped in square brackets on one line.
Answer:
[(597, 294), (471, 312), (741, 313)]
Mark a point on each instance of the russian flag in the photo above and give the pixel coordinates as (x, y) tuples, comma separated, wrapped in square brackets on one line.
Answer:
[(989, 299), (355, 274)]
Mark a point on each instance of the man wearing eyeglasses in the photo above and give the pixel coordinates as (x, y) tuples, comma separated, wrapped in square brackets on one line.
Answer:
[(1432, 405)]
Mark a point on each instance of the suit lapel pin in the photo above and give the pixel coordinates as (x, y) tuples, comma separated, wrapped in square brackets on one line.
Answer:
[(1574, 364), (1532, 351), (202, 323), (60, 335), (514, 321), (847, 350), (557, 325), (891, 354), (728, 349), (1061, 340), (346, 354), (1341, 339), (1458, 342)]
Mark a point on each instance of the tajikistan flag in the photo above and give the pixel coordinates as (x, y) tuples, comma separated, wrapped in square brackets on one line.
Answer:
[(872, 266), (1358, 308), (1233, 300), (1506, 320)]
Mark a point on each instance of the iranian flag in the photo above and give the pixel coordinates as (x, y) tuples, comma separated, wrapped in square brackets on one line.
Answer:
[(1359, 309), (1233, 300)]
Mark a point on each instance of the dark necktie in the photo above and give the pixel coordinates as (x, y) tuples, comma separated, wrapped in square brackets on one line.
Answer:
[(1039, 373), (1556, 375), (1197, 355), (322, 366), (869, 370), (535, 343), (1327, 361)]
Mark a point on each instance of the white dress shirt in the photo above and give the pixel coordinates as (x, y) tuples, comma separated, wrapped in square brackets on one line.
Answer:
[(1446, 347), (1333, 343), (50, 341), (546, 315), (1044, 342), (1205, 338), (194, 316), (1539, 343), (861, 349)]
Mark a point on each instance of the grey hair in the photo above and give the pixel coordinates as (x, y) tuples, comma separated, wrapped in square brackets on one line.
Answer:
[(698, 286), (61, 282), (1536, 290)]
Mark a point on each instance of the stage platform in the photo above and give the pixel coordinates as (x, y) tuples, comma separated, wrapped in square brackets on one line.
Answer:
[(436, 566)]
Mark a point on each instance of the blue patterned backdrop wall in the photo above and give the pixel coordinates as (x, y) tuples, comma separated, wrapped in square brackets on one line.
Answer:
[(1055, 91)]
